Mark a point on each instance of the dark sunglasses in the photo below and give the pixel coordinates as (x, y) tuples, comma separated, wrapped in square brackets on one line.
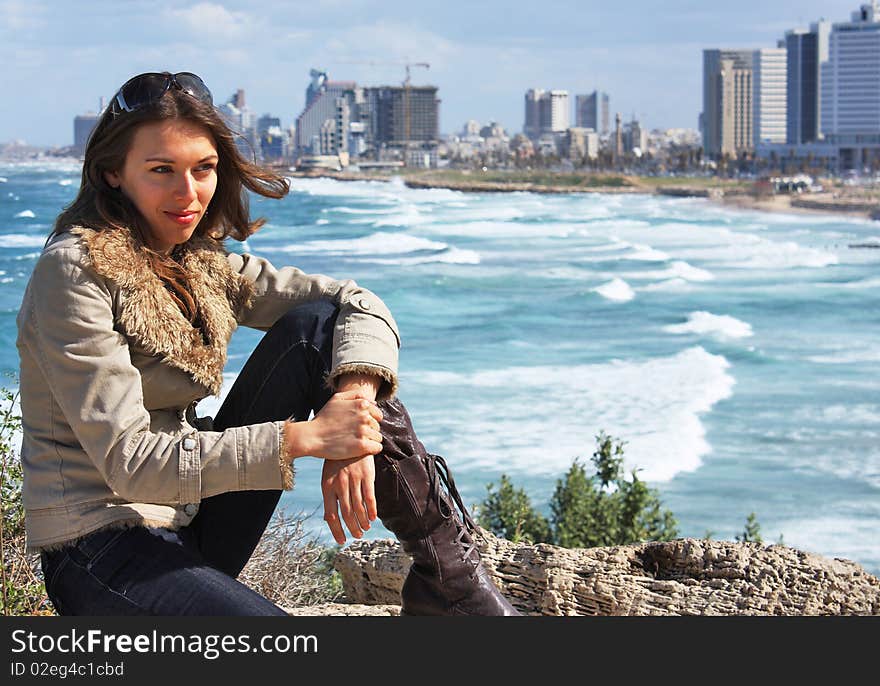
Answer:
[(145, 89)]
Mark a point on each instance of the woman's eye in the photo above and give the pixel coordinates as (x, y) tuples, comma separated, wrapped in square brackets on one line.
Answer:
[(161, 169), (205, 168)]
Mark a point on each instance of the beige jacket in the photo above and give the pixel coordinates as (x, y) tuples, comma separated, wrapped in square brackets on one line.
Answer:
[(111, 371)]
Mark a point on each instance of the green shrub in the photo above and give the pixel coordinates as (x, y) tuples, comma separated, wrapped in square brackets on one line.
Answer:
[(509, 513), (602, 509)]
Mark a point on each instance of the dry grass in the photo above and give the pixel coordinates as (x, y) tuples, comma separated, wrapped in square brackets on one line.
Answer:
[(21, 580), (290, 568)]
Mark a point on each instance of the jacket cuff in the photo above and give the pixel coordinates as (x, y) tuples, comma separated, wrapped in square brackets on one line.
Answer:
[(243, 458), (285, 461), (387, 389)]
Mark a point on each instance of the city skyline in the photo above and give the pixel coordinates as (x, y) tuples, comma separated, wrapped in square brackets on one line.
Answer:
[(59, 63)]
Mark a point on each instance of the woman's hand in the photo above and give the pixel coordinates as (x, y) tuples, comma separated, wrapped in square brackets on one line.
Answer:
[(346, 427), (347, 487)]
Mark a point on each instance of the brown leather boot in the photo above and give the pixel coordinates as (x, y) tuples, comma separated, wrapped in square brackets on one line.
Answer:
[(447, 576)]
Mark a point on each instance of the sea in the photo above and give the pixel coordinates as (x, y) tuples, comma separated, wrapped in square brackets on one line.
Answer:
[(735, 352)]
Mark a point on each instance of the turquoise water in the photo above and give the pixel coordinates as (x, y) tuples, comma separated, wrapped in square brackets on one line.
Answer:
[(735, 352)]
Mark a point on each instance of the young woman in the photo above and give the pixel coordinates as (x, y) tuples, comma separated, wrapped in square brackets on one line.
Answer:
[(138, 505)]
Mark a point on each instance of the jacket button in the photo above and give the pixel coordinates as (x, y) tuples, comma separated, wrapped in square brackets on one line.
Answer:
[(189, 444), (364, 303), (190, 509)]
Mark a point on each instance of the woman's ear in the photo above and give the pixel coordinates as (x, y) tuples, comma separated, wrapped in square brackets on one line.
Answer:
[(112, 178)]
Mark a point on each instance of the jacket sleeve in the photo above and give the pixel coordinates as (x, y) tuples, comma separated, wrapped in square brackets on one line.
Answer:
[(89, 370), (365, 339)]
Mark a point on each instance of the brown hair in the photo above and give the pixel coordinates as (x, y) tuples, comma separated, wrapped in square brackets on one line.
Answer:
[(101, 207)]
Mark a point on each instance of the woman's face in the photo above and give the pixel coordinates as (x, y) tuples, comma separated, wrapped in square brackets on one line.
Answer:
[(170, 174)]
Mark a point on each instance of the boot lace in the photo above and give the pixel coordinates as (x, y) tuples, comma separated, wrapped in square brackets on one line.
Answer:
[(438, 473)]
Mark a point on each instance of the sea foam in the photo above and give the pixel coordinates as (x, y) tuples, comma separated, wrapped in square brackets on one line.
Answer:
[(616, 289), (707, 324), (654, 405), (21, 240), (25, 214), (379, 243)]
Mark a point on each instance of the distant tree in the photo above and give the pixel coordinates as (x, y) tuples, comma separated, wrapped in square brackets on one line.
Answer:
[(752, 531)]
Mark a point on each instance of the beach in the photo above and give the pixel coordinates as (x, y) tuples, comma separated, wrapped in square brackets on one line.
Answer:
[(735, 195)]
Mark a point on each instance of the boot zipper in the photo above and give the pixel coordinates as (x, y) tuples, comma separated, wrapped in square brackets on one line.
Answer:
[(410, 496)]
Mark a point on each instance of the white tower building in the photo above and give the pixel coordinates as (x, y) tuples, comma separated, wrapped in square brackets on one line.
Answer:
[(768, 100)]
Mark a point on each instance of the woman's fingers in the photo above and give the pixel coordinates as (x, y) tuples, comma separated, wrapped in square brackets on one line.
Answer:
[(369, 495), (349, 496), (331, 516)]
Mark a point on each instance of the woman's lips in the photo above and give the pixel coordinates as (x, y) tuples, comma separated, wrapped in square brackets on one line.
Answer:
[(183, 218)]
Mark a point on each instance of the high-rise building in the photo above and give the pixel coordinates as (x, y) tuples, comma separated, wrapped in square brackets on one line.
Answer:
[(769, 99), (559, 119), (850, 88), (728, 111), (546, 112), (532, 126), (266, 122), (240, 119), (323, 126), (851, 76), (83, 125), (402, 115), (591, 112), (806, 51)]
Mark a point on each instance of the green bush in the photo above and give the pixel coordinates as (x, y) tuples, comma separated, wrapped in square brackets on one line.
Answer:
[(602, 509), (509, 513)]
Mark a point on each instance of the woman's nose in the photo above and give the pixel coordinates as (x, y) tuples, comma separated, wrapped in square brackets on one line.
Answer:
[(186, 187)]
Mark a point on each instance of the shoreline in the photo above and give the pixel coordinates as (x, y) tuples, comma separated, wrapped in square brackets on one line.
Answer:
[(733, 198)]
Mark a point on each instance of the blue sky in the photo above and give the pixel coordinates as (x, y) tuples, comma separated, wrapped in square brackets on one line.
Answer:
[(59, 57)]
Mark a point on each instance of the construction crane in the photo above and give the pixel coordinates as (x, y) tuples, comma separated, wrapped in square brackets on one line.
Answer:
[(407, 134)]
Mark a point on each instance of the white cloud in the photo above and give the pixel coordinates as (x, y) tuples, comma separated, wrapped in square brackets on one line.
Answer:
[(17, 16), (211, 20)]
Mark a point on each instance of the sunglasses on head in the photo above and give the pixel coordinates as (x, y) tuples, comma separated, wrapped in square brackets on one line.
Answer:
[(146, 89)]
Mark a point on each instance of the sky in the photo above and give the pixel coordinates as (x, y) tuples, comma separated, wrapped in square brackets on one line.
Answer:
[(60, 57)]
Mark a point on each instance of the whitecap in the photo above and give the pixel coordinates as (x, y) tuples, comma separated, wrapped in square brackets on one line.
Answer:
[(25, 214), (707, 324), (65, 182), (356, 210), (616, 289), (450, 256), (847, 356), (676, 270), (21, 240), (3, 179), (674, 284), (380, 243), (647, 254), (654, 405)]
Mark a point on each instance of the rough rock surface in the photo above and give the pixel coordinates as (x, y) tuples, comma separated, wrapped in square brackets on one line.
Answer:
[(344, 610), (682, 577)]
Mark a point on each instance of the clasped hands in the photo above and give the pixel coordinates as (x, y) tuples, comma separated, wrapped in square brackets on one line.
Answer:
[(345, 433)]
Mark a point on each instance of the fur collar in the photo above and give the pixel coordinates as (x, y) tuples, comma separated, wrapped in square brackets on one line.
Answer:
[(149, 315)]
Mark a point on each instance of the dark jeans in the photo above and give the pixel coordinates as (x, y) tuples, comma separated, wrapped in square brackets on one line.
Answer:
[(191, 571)]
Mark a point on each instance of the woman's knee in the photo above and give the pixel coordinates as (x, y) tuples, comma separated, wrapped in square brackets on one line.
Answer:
[(312, 321)]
